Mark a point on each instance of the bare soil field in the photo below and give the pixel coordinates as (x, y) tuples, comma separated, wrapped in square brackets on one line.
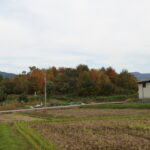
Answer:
[(12, 117), (80, 129), (110, 134), (79, 113), (98, 135)]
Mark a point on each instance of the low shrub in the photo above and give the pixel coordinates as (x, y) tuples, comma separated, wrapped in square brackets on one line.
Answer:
[(3, 95), (114, 98), (140, 101), (36, 98)]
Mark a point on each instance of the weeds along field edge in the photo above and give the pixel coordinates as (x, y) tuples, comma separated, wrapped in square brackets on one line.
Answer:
[(9, 138), (118, 106), (60, 119), (37, 141)]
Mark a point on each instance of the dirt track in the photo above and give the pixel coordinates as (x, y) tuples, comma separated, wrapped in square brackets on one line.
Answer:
[(14, 117)]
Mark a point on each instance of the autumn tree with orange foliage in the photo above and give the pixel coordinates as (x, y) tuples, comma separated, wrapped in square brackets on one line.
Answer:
[(81, 81)]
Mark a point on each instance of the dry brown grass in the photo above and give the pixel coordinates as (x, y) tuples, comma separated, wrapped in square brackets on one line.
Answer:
[(128, 134), (115, 134), (98, 135), (79, 113), (12, 117), (10, 106), (16, 105)]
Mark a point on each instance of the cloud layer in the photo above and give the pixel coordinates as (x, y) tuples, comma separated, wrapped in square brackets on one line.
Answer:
[(69, 32)]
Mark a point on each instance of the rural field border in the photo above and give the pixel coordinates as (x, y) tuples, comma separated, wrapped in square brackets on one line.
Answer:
[(33, 137), (57, 107)]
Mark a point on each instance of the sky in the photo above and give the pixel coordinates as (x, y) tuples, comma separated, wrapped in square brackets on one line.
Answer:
[(98, 33)]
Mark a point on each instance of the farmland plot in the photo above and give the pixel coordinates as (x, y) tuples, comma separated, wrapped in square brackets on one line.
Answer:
[(78, 129), (99, 134), (82, 113)]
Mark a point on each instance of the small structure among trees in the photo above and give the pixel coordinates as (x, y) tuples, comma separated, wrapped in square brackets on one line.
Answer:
[(144, 89)]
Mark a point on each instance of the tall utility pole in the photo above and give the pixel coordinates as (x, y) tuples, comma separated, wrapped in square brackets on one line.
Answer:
[(45, 91)]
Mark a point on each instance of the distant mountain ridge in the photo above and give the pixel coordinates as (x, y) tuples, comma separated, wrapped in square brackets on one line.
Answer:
[(141, 76), (7, 75)]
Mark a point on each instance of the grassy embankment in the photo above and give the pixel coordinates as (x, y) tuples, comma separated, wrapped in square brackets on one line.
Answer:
[(60, 100), (68, 98), (119, 106), (37, 142), (18, 136), (10, 140)]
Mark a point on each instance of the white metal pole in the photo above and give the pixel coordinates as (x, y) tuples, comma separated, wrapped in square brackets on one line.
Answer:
[(45, 91)]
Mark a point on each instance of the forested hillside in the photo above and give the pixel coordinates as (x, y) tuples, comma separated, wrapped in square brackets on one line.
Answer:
[(80, 81)]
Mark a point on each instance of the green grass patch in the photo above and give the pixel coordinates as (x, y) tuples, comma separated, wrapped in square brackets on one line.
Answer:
[(98, 118), (9, 140), (140, 101), (73, 98), (38, 142), (41, 116), (61, 119), (118, 106)]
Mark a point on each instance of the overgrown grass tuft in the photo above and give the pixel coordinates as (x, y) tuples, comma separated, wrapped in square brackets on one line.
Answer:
[(9, 140), (33, 138)]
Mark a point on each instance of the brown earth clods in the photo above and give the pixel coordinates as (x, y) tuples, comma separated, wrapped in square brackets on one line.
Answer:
[(121, 134), (79, 113), (11, 117), (98, 135)]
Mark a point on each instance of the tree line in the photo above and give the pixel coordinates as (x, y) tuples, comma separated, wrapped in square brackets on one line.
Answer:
[(80, 81)]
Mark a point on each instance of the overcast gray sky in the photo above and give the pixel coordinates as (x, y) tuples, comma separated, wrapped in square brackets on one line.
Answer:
[(71, 32)]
